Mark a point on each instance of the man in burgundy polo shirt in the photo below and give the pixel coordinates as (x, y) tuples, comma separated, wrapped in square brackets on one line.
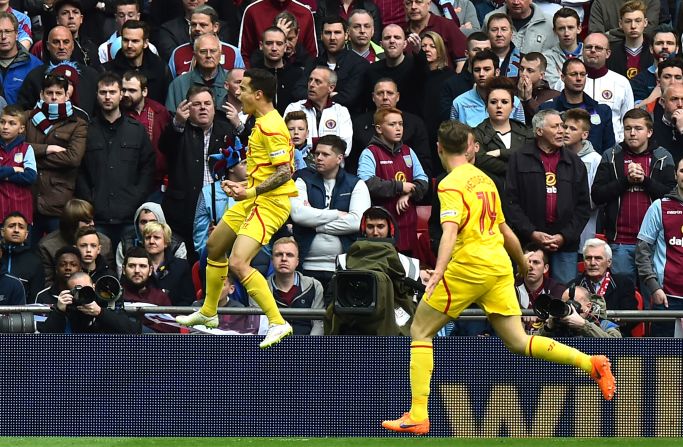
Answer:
[(631, 176), (421, 20)]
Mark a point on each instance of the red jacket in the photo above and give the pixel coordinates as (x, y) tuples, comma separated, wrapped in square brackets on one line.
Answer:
[(259, 16)]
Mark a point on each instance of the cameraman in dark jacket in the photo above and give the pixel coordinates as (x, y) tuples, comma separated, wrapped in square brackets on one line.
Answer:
[(91, 318), (590, 321), (117, 172)]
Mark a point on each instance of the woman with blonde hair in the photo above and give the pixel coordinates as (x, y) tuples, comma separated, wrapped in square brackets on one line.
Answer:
[(439, 73)]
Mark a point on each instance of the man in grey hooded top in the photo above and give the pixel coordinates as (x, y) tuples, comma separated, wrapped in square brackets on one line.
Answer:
[(147, 212)]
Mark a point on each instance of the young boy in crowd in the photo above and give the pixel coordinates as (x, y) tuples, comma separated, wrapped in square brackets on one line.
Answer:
[(17, 165), (92, 261), (298, 131), (394, 175)]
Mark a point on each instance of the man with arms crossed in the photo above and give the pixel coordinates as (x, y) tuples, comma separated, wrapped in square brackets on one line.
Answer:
[(262, 208), (473, 267)]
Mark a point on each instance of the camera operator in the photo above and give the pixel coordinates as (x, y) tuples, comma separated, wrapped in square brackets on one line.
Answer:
[(91, 318), (590, 321)]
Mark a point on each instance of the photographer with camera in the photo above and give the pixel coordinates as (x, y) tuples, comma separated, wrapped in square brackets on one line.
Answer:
[(577, 314), (82, 309)]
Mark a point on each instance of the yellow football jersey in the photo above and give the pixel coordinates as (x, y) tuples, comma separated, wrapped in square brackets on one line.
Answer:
[(270, 146), (470, 199)]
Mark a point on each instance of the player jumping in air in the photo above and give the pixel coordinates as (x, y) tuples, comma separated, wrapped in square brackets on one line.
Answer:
[(262, 208), (473, 267)]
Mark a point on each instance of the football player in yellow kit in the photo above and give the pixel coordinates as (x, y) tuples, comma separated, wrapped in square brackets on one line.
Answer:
[(263, 207), (473, 266)]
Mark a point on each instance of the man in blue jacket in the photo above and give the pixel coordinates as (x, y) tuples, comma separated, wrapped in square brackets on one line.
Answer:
[(13, 75), (572, 96)]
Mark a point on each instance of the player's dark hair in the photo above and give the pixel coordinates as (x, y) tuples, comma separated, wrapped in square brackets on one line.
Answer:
[(263, 80)]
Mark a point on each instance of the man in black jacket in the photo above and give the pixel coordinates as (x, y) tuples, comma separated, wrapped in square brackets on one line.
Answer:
[(18, 259), (272, 49), (631, 176), (135, 55), (60, 49), (385, 94), (117, 171), (547, 195), (349, 66), (91, 318), (187, 143)]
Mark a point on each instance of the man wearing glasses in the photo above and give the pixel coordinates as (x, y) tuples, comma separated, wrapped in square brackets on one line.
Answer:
[(207, 72), (604, 85), (20, 61)]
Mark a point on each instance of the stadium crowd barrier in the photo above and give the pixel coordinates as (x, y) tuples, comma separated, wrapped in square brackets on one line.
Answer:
[(203, 385)]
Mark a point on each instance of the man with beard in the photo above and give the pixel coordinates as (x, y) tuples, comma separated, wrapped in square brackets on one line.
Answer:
[(117, 171), (137, 271), (151, 114), (349, 66), (272, 48), (135, 55), (124, 10), (67, 262), (663, 47)]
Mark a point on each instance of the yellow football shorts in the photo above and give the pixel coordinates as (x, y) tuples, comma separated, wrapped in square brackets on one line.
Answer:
[(259, 217), (493, 294)]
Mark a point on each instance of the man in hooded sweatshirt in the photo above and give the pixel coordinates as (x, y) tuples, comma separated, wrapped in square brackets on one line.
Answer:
[(147, 212), (577, 126)]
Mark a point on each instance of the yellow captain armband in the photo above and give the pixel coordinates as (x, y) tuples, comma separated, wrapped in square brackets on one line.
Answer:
[(251, 193)]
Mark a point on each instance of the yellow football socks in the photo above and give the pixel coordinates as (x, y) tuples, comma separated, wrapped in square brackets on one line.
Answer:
[(421, 367), (216, 271), (257, 288), (553, 351)]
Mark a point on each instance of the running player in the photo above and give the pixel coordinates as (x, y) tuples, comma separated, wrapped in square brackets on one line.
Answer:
[(262, 208), (473, 267)]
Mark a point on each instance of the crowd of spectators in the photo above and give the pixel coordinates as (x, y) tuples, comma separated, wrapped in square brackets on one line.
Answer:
[(120, 118)]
